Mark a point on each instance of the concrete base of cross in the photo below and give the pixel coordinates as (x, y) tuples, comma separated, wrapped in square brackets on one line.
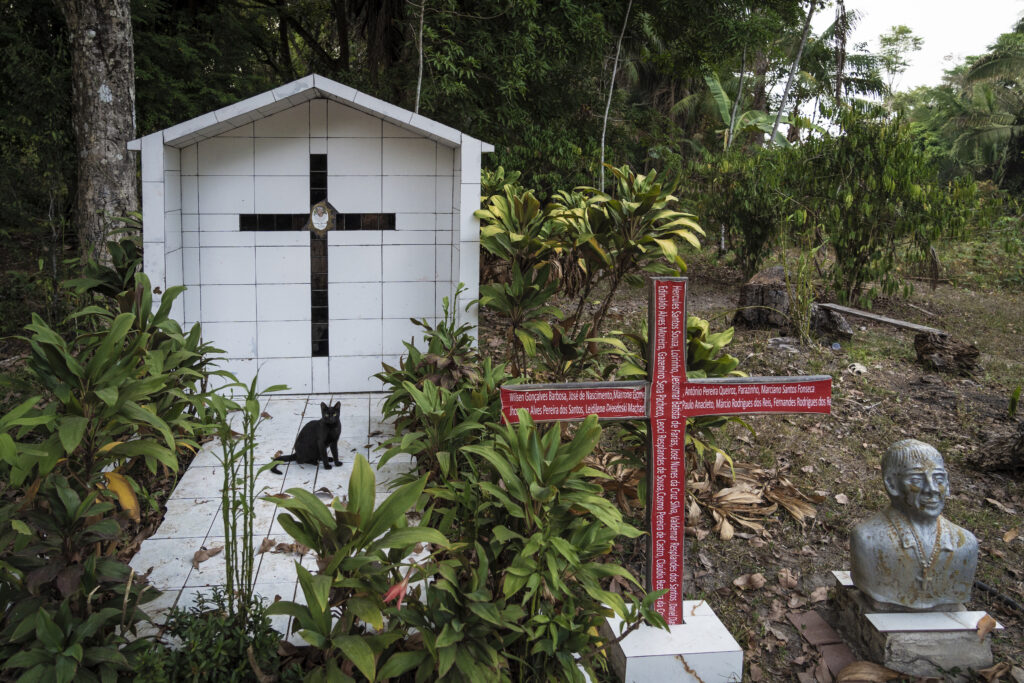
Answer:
[(927, 644), (699, 650)]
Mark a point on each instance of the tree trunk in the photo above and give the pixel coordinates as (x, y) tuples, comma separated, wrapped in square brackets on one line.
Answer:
[(611, 89), (792, 72), (103, 97), (759, 101)]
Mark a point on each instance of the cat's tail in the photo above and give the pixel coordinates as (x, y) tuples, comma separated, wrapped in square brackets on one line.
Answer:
[(282, 458)]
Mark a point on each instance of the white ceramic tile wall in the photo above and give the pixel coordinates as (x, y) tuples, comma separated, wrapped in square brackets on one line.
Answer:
[(398, 330), (378, 279), (354, 156), (408, 263), (288, 339), (356, 337), (408, 299), (354, 264), (354, 300), (282, 156), (283, 302)]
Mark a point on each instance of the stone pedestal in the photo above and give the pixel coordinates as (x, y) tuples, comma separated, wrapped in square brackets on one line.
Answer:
[(699, 650), (927, 644)]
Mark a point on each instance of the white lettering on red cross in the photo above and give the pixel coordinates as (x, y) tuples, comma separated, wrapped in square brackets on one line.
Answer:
[(667, 401)]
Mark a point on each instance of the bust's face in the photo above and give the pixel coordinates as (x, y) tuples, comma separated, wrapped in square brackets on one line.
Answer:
[(920, 489)]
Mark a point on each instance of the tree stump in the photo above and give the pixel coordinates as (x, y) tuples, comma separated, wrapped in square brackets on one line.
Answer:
[(939, 351), (764, 301), (1001, 452)]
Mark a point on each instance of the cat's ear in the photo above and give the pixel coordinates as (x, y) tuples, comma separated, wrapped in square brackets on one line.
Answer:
[(337, 407), (323, 408)]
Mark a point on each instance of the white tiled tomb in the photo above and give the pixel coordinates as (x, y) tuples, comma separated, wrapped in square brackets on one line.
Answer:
[(251, 289)]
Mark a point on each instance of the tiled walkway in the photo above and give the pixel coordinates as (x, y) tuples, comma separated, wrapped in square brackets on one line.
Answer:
[(193, 519)]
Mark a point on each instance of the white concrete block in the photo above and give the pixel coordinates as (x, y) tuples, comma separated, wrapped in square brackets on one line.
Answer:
[(218, 222), (699, 650), (246, 106), (354, 156), (226, 156), (153, 264), (355, 194), (409, 156), (379, 107), (227, 238), (356, 337), (190, 240), (282, 238), (228, 303), (152, 158), (318, 145), (414, 221), (408, 299), (152, 211), (284, 339), (189, 194), (887, 622), (390, 130), (172, 158), (445, 226), (190, 267), (172, 271), (172, 191), (353, 264), (282, 156), (282, 194), (236, 339), (406, 237), (446, 160), (469, 201), (283, 302), (443, 262), (354, 300), (295, 372), (172, 231), (276, 265), (300, 86), (189, 222), (326, 86), (290, 123), (437, 130), (470, 160), (190, 160), (337, 238), (243, 368), (241, 127), (355, 373), (321, 374), (190, 301), (226, 194), (346, 122), (409, 194), (177, 312), (408, 263), (399, 330), (227, 266), (318, 118), (443, 201)]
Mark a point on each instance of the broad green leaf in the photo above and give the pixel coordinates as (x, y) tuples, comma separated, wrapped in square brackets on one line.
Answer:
[(71, 430), (361, 490), (392, 511), (359, 653)]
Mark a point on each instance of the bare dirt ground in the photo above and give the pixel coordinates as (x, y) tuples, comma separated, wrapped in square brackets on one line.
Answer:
[(834, 460)]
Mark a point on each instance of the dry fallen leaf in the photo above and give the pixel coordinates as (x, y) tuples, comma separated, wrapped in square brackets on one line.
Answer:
[(756, 675), (866, 671), (999, 506), (1010, 535), (796, 602), (266, 416), (985, 626), (995, 672), (842, 499), (268, 544), (788, 579), (749, 581), (203, 554), (809, 469), (809, 551), (819, 594)]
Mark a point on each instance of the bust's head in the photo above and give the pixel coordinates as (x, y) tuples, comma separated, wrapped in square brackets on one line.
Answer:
[(915, 479)]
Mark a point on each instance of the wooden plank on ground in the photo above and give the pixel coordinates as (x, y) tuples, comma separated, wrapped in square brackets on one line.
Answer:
[(880, 318)]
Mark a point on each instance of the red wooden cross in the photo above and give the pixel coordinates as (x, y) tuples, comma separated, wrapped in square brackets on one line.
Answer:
[(667, 400)]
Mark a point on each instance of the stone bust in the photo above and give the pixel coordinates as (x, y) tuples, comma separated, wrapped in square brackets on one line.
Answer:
[(909, 556)]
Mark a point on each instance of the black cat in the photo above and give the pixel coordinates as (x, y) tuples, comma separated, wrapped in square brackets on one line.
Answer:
[(315, 438)]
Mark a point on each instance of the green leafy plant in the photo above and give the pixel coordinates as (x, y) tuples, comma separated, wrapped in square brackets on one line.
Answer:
[(360, 553), (1014, 401)]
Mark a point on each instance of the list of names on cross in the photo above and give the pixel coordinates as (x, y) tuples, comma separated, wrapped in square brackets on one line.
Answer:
[(668, 400)]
